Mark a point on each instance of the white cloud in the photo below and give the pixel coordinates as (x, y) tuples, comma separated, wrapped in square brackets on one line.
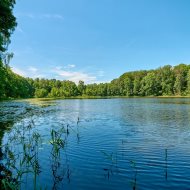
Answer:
[(32, 69), (31, 72), (71, 66), (102, 81), (58, 67), (19, 71), (75, 76), (61, 73), (38, 76), (67, 67)]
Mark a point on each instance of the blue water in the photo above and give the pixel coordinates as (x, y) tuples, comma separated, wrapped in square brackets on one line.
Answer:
[(134, 143)]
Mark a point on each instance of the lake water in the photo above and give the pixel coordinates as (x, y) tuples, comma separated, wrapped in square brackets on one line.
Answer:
[(133, 143)]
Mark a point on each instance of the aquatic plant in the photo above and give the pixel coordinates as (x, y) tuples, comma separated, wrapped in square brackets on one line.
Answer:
[(112, 164), (22, 160), (134, 180), (21, 155)]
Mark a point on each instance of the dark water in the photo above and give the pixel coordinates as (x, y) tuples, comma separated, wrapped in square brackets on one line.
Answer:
[(136, 143)]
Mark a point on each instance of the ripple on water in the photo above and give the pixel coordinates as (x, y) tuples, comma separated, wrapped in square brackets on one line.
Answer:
[(117, 144)]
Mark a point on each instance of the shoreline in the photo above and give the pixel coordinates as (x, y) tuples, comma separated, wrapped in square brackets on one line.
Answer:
[(90, 97)]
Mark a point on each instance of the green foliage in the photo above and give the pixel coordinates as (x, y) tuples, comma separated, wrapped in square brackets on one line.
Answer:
[(81, 87), (127, 86), (41, 93), (70, 88), (150, 85), (188, 82), (54, 88), (2, 80), (136, 86), (178, 85), (13, 85), (7, 24), (164, 81), (167, 79)]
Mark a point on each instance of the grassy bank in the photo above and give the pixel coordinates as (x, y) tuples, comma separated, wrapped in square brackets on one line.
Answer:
[(105, 97), (90, 97)]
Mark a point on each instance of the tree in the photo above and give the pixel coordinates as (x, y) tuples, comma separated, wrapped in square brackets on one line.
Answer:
[(128, 87), (102, 89), (2, 81), (116, 87), (136, 86), (81, 87), (7, 24), (91, 90), (150, 85), (167, 79), (41, 93), (178, 85), (188, 82), (69, 88), (54, 92)]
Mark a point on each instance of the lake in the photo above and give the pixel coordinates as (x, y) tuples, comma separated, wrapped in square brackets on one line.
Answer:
[(129, 143)]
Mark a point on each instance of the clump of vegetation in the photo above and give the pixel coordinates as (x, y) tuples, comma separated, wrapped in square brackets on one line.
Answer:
[(24, 159), (20, 155), (112, 161)]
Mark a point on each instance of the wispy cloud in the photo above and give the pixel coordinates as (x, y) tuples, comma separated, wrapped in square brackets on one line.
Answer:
[(67, 72), (71, 66), (32, 69), (74, 76), (19, 71), (51, 16), (19, 29), (41, 16), (31, 72)]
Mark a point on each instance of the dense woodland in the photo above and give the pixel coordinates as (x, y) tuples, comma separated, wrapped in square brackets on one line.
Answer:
[(164, 81)]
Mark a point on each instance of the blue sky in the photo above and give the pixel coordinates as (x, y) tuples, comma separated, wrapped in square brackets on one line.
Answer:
[(98, 40)]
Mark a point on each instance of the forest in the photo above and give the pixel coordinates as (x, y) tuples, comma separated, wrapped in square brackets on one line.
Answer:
[(164, 81)]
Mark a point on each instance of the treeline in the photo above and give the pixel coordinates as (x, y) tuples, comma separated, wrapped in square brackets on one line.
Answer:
[(164, 81)]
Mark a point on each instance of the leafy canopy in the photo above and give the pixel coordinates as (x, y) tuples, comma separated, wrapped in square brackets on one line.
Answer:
[(7, 24)]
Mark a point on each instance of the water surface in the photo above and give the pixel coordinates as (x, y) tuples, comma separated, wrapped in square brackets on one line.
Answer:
[(134, 143)]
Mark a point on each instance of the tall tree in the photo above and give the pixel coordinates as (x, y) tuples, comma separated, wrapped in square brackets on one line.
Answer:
[(188, 82), (178, 85), (7, 25), (150, 85), (128, 87), (136, 86), (81, 87), (167, 79)]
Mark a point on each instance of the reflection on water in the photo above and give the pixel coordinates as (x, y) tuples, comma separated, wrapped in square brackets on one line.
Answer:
[(136, 143)]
